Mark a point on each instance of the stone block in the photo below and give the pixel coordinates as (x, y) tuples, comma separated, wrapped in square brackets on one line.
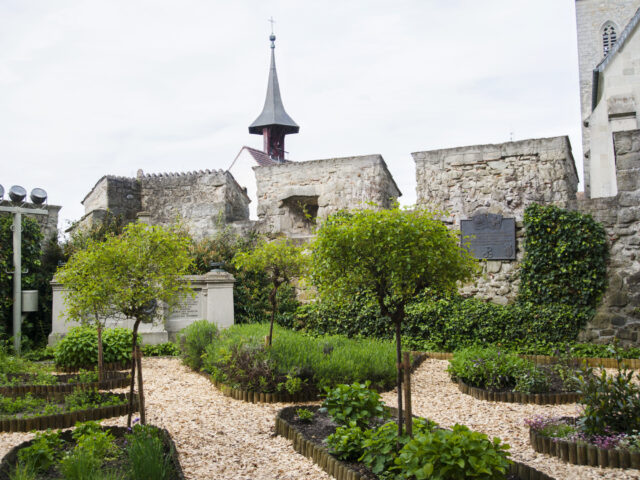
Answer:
[(627, 161), (628, 180), (618, 321)]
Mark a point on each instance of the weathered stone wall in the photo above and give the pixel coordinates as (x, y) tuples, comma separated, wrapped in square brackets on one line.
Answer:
[(48, 223), (292, 196), (619, 313), (203, 200), (502, 179), (120, 195)]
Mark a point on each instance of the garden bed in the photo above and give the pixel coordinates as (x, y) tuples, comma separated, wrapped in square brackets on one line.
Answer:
[(28, 413), (64, 383), (308, 440), (519, 397), (582, 453), (10, 460)]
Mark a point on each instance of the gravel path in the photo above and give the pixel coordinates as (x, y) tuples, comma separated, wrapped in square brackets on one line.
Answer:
[(221, 438)]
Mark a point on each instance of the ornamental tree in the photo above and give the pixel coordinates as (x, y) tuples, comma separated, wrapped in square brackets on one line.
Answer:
[(280, 260), (140, 269), (90, 286), (393, 254)]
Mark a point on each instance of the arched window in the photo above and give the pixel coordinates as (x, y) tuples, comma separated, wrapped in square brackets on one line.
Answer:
[(609, 38)]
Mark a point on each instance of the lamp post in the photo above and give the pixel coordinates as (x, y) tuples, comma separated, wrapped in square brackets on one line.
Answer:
[(17, 194)]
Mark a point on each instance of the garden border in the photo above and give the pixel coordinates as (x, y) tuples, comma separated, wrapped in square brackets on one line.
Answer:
[(68, 419), (114, 366), (519, 397), (258, 397), (341, 471), (10, 458), (632, 363), (119, 380), (583, 454)]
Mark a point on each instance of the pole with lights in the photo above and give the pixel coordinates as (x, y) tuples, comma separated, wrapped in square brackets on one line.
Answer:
[(18, 206)]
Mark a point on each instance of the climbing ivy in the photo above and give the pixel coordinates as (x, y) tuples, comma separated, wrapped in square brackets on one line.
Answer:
[(565, 258), (31, 238)]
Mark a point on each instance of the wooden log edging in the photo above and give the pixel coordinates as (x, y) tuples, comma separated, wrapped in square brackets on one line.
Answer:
[(108, 367), (632, 363), (67, 419), (259, 397), (10, 459), (116, 380), (583, 453), (518, 397), (342, 471)]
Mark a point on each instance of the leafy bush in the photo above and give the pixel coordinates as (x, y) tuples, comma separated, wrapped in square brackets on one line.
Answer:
[(305, 415), (447, 323), (238, 357), (193, 341), (354, 403), (167, 349), (145, 451), (565, 257), (459, 454), (79, 348), (380, 446), (45, 450), (611, 402), (346, 442)]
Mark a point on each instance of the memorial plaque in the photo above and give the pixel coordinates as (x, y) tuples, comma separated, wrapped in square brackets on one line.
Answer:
[(489, 236), (188, 308)]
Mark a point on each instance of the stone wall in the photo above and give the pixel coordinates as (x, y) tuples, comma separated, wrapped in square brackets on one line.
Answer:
[(292, 196), (48, 223), (500, 179), (120, 195), (203, 200), (619, 313)]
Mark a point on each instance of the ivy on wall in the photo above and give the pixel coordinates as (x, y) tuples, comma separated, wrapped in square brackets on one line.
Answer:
[(565, 258)]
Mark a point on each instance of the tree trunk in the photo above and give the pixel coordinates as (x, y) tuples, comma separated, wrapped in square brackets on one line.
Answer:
[(134, 337), (398, 321), (100, 353), (274, 306), (143, 415), (406, 362)]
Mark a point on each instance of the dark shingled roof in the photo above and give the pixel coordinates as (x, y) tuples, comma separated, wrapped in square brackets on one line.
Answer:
[(273, 112)]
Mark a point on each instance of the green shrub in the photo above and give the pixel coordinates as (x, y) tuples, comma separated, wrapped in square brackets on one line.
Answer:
[(611, 402), (193, 341), (346, 442), (145, 451), (45, 450), (447, 323), (456, 454), (346, 404), (167, 349), (565, 257), (380, 446), (79, 348), (238, 358)]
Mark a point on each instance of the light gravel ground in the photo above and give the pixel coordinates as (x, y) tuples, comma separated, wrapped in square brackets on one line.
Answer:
[(221, 438)]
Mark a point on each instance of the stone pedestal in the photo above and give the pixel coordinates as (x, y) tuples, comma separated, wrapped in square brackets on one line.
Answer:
[(212, 300)]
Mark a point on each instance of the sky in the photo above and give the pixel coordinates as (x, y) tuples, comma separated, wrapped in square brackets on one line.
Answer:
[(89, 88)]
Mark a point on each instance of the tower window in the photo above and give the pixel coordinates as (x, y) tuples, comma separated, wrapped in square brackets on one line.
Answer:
[(609, 38)]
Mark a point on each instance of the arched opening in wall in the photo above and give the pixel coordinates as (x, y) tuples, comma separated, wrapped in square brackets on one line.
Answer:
[(609, 37), (301, 212)]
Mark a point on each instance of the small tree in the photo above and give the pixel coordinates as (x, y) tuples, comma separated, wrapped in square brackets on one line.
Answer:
[(141, 267), (393, 254), (90, 287), (280, 260)]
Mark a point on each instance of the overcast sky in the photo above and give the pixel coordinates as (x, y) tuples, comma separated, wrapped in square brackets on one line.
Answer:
[(89, 88)]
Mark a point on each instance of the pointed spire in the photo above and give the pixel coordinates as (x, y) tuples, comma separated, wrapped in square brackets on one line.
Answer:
[(274, 122)]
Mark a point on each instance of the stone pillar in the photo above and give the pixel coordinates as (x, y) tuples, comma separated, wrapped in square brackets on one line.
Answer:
[(219, 285)]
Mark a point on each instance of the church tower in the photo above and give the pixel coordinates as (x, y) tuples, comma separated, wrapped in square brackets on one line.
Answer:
[(600, 25), (274, 122)]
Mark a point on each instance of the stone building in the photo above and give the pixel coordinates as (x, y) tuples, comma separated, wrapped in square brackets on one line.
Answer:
[(608, 54)]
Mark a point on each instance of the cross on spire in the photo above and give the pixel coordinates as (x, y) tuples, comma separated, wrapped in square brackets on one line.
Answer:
[(271, 21)]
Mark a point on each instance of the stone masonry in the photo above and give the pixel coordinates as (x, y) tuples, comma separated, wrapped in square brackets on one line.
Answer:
[(619, 312), (502, 179), (291, 196)]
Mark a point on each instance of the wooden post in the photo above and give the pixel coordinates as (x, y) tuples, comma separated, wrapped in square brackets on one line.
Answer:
[(143, 416), (407, 394)]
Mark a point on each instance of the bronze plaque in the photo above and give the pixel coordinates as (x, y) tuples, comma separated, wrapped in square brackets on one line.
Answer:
[(489, 236)]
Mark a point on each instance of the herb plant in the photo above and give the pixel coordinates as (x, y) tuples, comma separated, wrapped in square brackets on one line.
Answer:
[(354, 403)]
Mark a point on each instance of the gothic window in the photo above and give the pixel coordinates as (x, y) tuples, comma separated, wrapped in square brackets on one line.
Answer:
[(609, 37)]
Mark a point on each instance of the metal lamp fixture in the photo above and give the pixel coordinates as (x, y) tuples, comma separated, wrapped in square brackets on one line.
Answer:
[(17, 194)]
